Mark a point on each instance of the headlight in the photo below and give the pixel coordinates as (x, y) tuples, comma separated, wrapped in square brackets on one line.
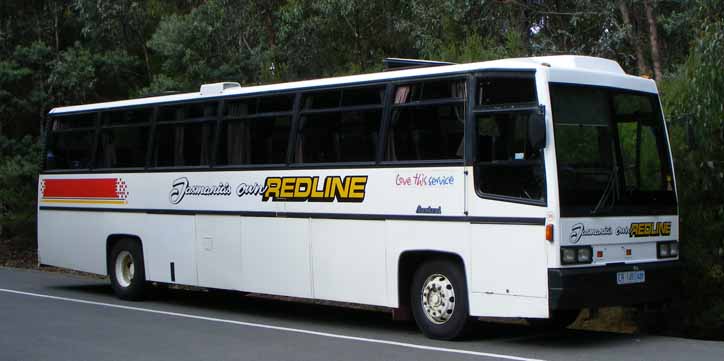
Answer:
[(576, 255), (584, 255), (667, 249), (664, 250), (568, 255)]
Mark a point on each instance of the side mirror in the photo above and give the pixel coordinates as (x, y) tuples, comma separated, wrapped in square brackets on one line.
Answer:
[(537, 129)]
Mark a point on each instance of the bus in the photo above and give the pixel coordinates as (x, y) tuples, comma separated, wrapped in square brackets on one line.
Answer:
[(522, 188)]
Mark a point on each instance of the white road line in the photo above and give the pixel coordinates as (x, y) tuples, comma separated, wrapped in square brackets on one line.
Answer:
[(278, 328)]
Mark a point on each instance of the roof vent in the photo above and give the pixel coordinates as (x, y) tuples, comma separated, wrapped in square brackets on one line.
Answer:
[(400, 63), (217, 88)]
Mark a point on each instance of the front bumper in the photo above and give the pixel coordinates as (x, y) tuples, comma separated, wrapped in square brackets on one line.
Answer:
[(576, 288)]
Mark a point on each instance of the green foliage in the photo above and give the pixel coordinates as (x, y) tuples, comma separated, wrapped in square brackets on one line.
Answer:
[(694, 101), (335, 37), (475, 48), (19, 166), (217, 41)]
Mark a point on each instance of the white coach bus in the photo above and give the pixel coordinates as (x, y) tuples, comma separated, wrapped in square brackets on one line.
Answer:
[(527, 188)]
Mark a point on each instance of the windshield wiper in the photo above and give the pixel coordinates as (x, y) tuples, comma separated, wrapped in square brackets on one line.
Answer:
[(610, 193)]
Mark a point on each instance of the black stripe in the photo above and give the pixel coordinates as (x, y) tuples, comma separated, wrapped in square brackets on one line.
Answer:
[(267, 167), (368, 217)]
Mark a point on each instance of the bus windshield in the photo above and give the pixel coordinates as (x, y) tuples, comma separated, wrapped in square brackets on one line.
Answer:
[(612, 153)]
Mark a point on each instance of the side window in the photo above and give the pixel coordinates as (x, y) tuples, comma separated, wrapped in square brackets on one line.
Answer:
[(427, 121), (255, 131), (507, 164), (70, 142), (123, 140), (184, 135), (340, 125)]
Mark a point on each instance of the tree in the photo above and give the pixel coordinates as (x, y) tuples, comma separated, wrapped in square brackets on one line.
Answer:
[(216, 41)]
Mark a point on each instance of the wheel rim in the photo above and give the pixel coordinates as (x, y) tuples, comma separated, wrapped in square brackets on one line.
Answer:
[(438, 298), (124, 268)]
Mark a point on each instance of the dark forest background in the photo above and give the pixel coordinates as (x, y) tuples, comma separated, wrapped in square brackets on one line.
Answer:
[(63, 52)]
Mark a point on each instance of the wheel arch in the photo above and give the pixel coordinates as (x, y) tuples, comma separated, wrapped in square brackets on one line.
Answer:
[(407, 262)]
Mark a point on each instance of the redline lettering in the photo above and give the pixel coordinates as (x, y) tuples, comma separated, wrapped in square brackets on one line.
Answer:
[(312, 189), (650, 229)]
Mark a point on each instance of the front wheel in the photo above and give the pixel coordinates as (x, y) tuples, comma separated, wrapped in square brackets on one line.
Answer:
[(125, 268), (439, 299)]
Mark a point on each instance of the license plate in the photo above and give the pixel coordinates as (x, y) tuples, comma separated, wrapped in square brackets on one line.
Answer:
[(625, 278)]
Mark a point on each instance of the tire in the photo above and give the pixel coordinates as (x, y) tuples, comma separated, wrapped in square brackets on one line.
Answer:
[(126, 271), (439, 300), (559, 320)]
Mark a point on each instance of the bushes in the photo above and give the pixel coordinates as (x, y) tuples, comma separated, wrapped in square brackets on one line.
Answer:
[(694, 101), (19, 166)]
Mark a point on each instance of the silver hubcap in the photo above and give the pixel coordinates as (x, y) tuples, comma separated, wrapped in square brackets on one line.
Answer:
[(438, 298), (124, 268)]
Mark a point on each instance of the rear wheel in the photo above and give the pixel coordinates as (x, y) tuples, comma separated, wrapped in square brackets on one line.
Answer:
[(125, 268), (439, 299)]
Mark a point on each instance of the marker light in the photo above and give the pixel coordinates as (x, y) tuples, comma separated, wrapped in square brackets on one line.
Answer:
[(549, 232)]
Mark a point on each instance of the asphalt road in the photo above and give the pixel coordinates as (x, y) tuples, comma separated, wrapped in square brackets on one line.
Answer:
[(51, 316)]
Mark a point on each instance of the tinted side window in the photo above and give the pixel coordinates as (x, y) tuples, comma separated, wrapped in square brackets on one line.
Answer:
[(498, 91), (126, 117), (123, 140), (122, 147), (184, 135), (185, 144), (427, 121), (70, 142), (260, 105), (340, 125), (70, 150), (507, 163), (349, 136), (254, 141), (255, 130)]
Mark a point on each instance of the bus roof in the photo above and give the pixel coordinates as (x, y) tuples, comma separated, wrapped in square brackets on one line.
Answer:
[(565, 63)]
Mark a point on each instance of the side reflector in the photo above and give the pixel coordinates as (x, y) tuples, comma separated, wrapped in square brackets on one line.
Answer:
[(549, 232), (628, 251)]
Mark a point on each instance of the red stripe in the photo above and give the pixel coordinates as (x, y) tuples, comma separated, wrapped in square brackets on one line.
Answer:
[(81, 188)]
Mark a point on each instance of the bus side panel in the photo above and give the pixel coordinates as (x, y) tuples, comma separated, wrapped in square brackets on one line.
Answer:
[(509, 270), (166, 239), (275, 256), (494, 305), (218, 251), (349, 261), (73, 240), (409, 236)]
